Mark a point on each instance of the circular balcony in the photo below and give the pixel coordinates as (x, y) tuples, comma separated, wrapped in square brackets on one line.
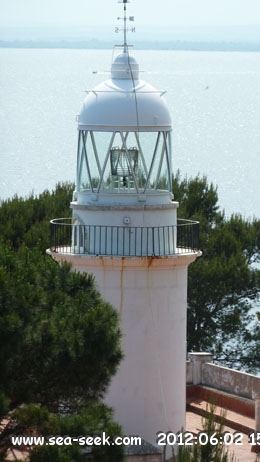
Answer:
[(124, 241)]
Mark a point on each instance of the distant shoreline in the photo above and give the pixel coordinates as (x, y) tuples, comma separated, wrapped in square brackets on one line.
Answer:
[(179, 45)]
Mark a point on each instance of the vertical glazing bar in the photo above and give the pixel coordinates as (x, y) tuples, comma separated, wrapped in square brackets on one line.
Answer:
[(94, 240), (90, 239), (105, 162), (79, 161), (111, 238), (163, 152), (95, 152), (165, 136), (141, 154), (179, 235), (123, 250), (106, 228), (153, 243), (100, 234), (63, 237), (152, 163), (87, 163), (61, 234), (51, 237)]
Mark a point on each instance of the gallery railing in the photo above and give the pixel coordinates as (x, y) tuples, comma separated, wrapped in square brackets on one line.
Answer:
[(67, 237)]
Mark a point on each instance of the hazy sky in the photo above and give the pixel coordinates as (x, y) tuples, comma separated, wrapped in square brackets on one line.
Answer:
[(163, 12)]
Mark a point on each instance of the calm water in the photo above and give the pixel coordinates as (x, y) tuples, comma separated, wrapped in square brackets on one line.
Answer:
[(214, 99)]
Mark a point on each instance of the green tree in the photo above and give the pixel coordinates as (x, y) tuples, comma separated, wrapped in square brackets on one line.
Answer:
[(26, 221), (59, 347), (60, 343), (65, 339), (223, 285)]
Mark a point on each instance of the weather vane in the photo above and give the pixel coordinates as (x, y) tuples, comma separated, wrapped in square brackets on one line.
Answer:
[(125, 29)]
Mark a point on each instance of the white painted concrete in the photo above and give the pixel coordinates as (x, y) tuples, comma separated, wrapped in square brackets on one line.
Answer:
[(148, 392), (197, 359), (256, 398)]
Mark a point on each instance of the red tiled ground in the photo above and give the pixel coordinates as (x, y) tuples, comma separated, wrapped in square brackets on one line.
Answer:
[(242, 452)]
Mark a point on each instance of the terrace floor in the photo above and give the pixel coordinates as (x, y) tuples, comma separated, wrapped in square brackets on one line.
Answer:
[(237, 421)]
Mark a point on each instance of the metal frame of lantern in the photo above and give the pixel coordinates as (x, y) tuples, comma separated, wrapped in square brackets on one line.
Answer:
[(126, 163)]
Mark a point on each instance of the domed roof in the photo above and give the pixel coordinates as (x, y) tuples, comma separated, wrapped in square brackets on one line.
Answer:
[(124, 102)]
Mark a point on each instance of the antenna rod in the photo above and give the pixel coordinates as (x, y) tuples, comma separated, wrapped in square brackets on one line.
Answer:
[(125, 29), (125, 44)]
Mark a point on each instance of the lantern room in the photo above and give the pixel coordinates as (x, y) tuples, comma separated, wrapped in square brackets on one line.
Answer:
[(124, 137)]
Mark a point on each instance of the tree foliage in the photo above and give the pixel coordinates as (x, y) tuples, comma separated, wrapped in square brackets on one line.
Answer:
[(65, 341), (60, 342), (224, 284), (26, 221)]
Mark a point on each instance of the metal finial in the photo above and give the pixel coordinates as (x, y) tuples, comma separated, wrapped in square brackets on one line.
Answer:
[(125, 29)]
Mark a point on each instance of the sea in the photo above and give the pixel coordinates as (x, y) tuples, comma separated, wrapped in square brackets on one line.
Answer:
[(213, 97)]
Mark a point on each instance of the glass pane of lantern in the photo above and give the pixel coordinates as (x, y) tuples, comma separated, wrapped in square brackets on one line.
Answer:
[(91, 160), (101, 142), (146, 143), (83, 181), (159, 176)]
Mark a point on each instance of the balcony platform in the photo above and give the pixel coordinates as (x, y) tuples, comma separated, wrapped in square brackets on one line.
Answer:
[(124, 241)]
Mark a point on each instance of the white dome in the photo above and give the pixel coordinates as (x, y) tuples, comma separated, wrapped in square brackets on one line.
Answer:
[(124, 102), (125, 67)]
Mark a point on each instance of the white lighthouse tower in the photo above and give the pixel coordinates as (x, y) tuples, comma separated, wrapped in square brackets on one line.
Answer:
[(124, 230)]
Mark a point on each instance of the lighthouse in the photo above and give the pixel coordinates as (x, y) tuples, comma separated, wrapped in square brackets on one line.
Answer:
[(125, 231)]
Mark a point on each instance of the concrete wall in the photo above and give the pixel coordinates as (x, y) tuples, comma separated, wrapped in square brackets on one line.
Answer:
[(229, 380), (189, 379), (201, 371)]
